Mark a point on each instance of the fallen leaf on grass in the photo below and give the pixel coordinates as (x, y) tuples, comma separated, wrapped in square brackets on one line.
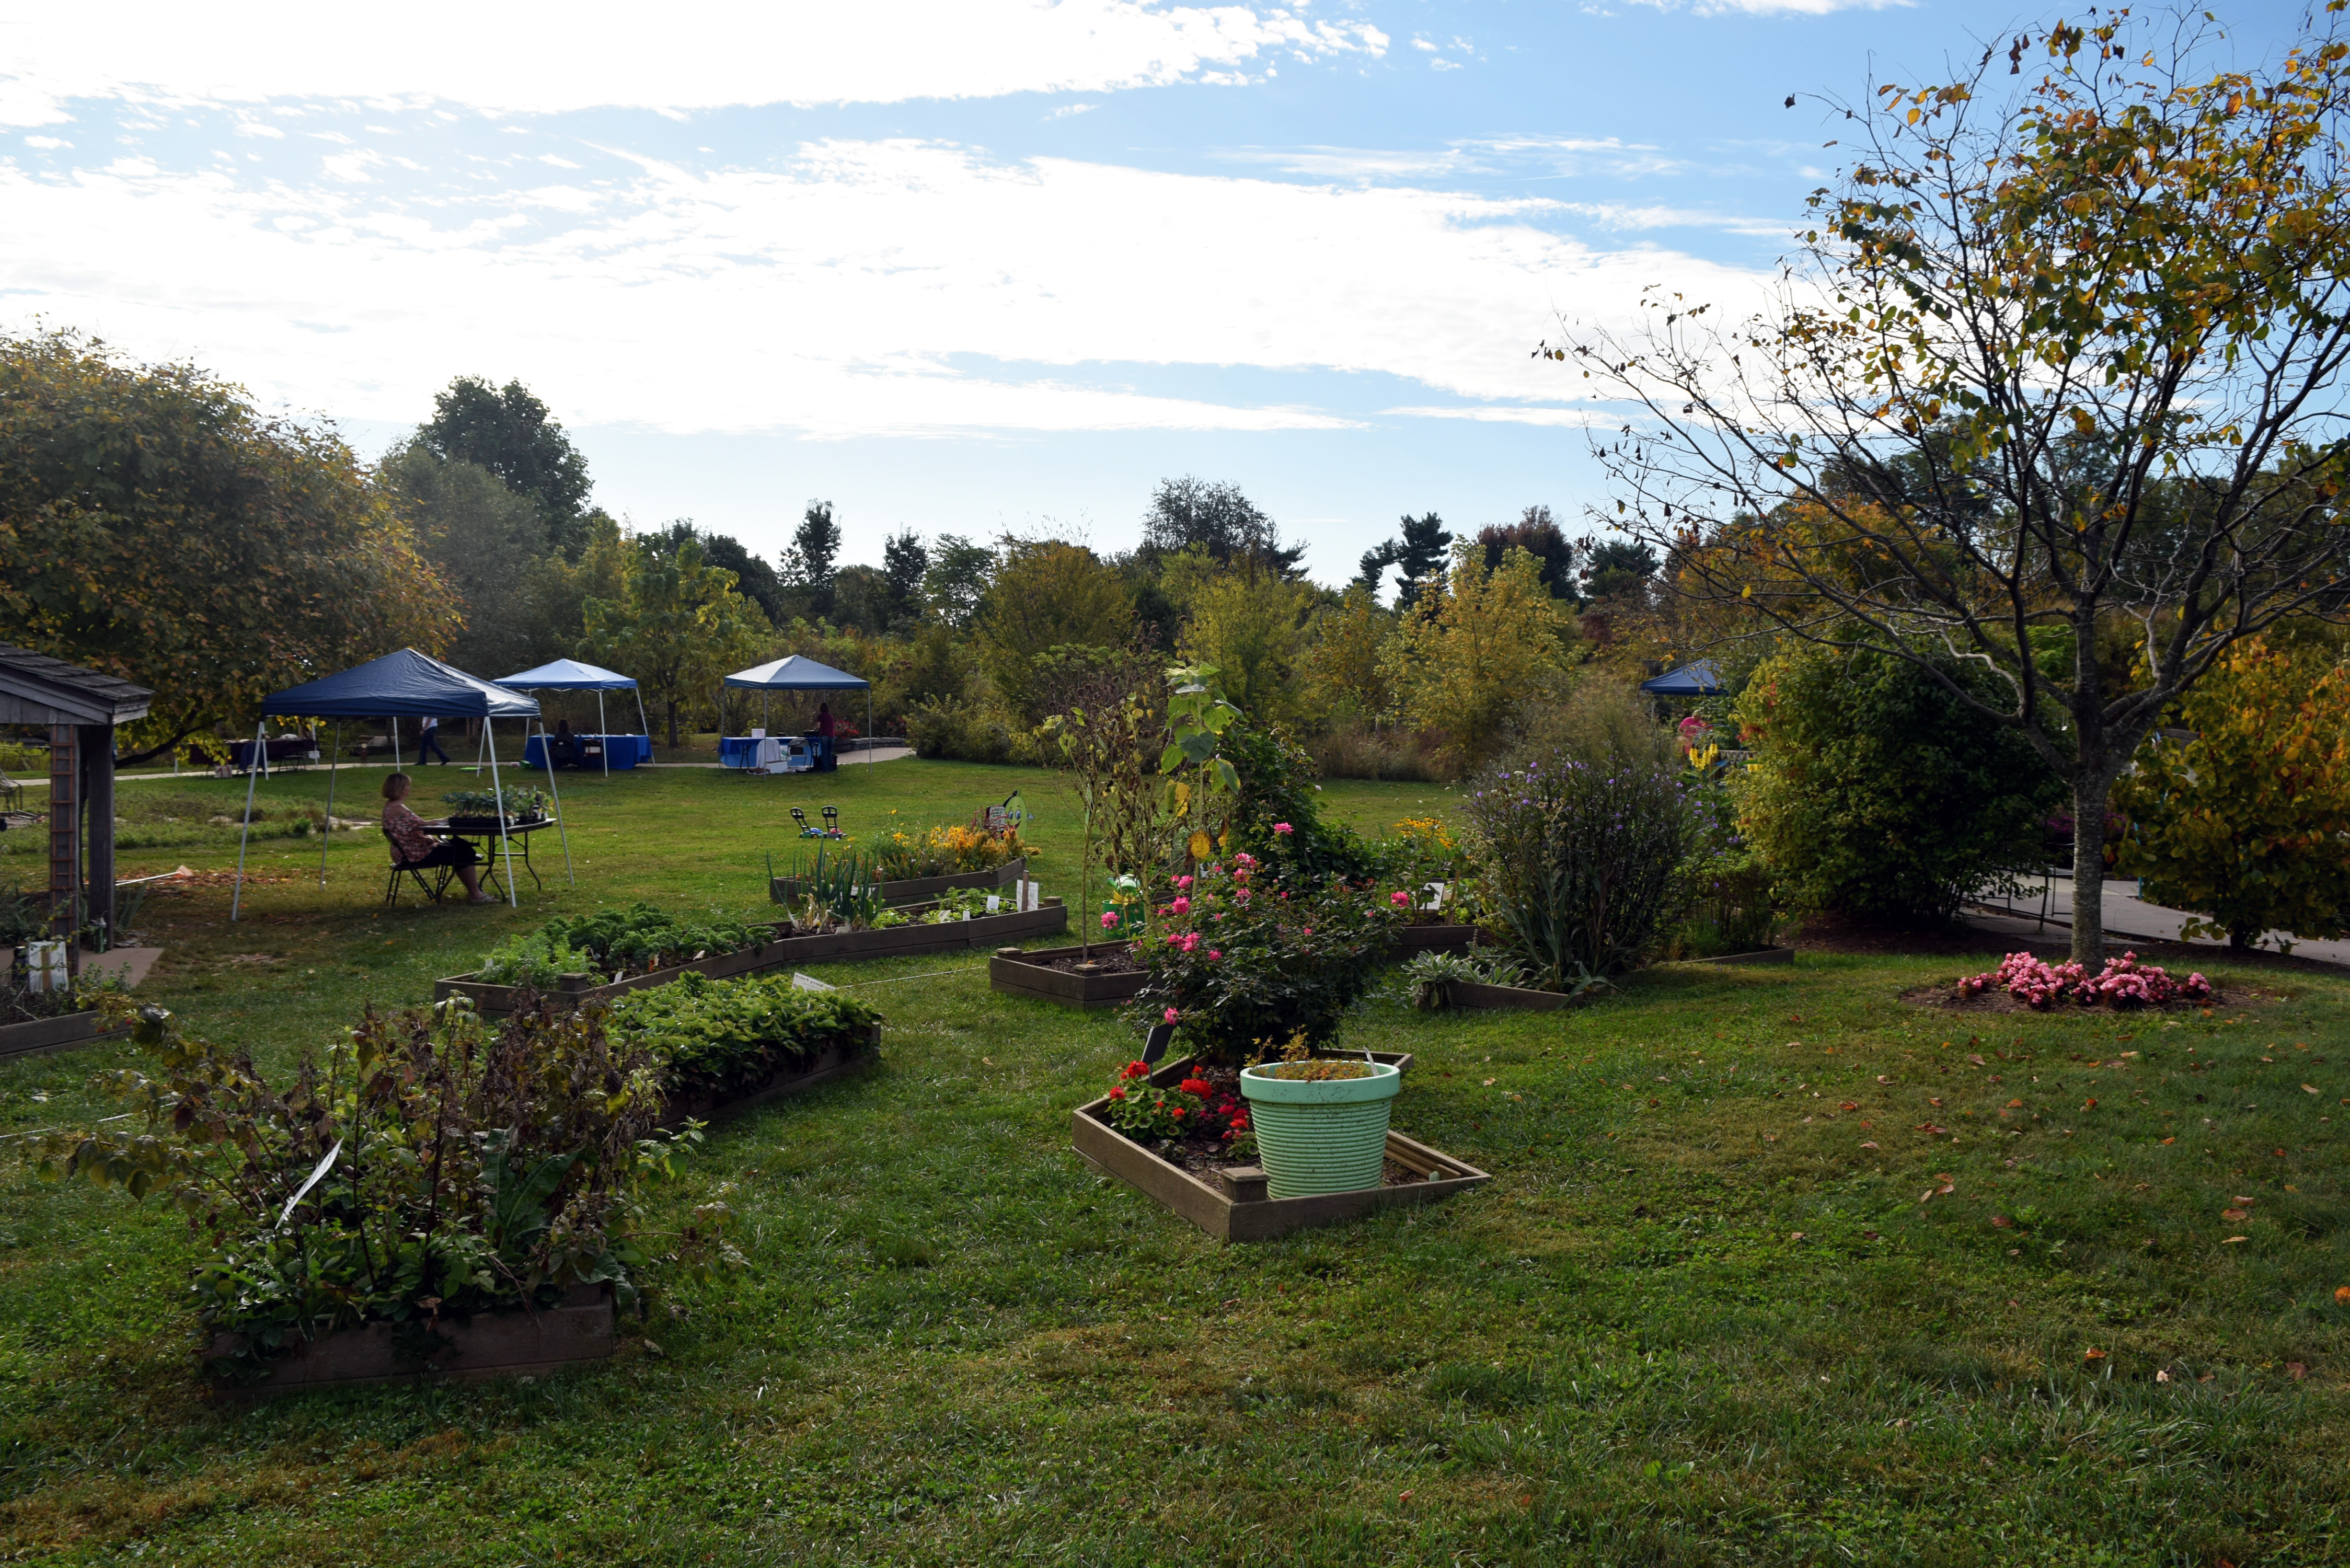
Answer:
[(2309, 1088), (2093, 1355), (1932, 1101), (1884, 1078), (1929, 1129), (2002, 1221), (2235, 1216), (2341, 1295), (2246, 1202), (2231, 1241), (1489, 1083), (1848, 1106), (2015, 1105), (2090, 1104), (2299, 1370), (1870, 1145), (2161, 1376), (1977, 1060), (2170, 1140), (1403, 1497)]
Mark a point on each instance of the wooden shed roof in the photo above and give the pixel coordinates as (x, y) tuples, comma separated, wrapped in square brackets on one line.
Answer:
[(38, 689)]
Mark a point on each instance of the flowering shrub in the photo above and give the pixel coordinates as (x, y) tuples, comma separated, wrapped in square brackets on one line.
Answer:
[(1578, 860), (951, 849), (1238, 961), (2122, 982), (1139, 1108)]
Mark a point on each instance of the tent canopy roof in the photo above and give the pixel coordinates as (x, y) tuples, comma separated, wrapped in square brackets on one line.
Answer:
[(1694, 679), (798, 673), (568, 675), (403, 685)]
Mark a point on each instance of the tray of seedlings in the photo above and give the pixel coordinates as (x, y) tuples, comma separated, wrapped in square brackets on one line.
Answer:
[(725, 1045)]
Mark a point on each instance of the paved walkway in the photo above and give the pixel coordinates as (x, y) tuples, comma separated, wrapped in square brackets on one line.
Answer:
[(2130, 916), (849, 759)]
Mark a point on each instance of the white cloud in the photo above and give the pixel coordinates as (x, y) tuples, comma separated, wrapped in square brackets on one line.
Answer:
[(1067, 110), (1622, 216), (698, 54), (254, 128), (859, 287), (1423, 44), (1513, 414), (51, 142)]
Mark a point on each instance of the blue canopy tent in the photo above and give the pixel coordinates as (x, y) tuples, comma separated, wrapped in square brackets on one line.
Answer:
[(799, 673), (570, 675), (406, 684), (1694, 679)]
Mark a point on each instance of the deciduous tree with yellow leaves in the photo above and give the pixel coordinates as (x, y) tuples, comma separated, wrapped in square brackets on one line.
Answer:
[(1473, 646)]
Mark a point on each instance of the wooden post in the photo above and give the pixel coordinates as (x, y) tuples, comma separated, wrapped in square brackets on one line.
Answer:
[(96, 744), (65, 838)]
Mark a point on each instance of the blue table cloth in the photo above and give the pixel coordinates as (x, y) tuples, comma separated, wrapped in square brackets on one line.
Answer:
[(626, 751)]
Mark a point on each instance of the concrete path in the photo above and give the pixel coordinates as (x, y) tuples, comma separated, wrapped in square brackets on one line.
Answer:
[(2130, 916), (851, 759)]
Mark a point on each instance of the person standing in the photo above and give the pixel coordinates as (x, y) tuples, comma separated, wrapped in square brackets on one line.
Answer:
[(430, 746)]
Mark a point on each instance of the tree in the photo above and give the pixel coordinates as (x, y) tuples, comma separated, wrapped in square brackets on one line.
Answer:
[(155, 526), (1345, 677), (2248, 824), (1048, 593), (1251, 628), (862, 598), (483, 538), (679, 627), (510, 433), (816, 544), (956, 582), (1537, 533), (2051, 366), (904, 565), (1474, 647), (1189, 514), (1617, 568), (1876, 792), (754, 578), (1418, 550)]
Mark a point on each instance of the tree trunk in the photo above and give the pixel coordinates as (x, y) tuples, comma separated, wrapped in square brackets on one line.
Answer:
[(672, 724), (2089, 871)]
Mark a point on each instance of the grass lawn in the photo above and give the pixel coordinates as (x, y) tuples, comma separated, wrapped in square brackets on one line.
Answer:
[(1697, 1318)]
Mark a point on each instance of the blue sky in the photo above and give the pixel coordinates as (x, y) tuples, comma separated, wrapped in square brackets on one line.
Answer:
[(978, 267)]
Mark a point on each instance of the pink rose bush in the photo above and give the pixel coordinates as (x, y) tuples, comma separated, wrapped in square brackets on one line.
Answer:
[(2124, 982)]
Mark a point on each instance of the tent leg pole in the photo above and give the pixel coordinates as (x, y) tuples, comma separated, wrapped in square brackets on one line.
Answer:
[(252, 777), (505, 845), (328, 835), (603, 736), (643, 723), (868, 726), (555, 789), (395, 742)]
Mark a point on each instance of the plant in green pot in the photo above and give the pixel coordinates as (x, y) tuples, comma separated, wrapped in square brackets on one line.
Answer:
[(1321, 1123)]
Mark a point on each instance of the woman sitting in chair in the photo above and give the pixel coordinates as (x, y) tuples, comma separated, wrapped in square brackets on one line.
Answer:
[(413, 847)]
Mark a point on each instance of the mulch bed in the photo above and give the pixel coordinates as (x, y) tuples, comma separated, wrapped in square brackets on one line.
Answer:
[(1105, 960)]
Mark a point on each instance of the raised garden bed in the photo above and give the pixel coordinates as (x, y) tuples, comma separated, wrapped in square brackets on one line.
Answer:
[(493, 1345), (61, 1034), (1412, 940), (1052, 975), (788, 889), (836, 947), (1230, 1204), (832, 1062), (1477, 994)]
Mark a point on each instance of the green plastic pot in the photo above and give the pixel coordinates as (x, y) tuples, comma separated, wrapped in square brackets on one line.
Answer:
[(1316, 1136)]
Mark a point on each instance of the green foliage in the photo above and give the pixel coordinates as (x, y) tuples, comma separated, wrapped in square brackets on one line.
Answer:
[(2247, 824), (839, 885), (156, 525), (1048, 595), (520, 800), (1576, 860), (1875, 791), (715, 1036), (425, 1170), (678, 625), (1242, 964), (614, 942), (1274, 816), (484, 538), (509, 431)]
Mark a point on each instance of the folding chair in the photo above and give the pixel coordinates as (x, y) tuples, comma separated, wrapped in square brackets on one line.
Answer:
[(12, 794), (432, 890)]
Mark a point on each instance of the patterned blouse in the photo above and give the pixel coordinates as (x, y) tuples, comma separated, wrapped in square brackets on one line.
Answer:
[(409, 839)]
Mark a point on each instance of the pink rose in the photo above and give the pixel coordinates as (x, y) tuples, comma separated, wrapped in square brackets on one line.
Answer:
[(1182, 881), (1181, 906), (1309, 931), (1282, 827), (1109, 919), (1214, 955), (1173, 1015), (1398, 898)]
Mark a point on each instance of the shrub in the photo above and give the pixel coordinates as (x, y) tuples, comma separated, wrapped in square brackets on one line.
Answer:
[(424, 1170), (1576, 861), (1354, 753), (721, 1035), (2247, 824), (960, 729), (1274, 814), (2124, 982), (1874, 790), (1240, 965)]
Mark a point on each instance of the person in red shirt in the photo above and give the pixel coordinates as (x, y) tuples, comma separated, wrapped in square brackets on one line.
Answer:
[(411, 846)]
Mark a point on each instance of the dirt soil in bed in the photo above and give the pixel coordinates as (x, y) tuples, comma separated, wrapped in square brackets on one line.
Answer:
[(1105, 960)]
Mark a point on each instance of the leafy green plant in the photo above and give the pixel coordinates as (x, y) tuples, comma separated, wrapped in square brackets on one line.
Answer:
[(1431, 974), (521, 800), (962, 904), (424, 1170), (1240, 964), (839, 887), (716, 1036), (616, 942), (1195, 1107)]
